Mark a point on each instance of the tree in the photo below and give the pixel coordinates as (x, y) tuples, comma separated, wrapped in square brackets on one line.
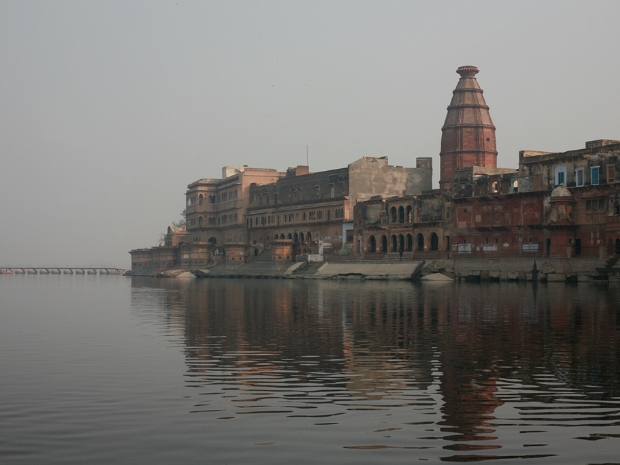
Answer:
[(177, 224), (182, 222)]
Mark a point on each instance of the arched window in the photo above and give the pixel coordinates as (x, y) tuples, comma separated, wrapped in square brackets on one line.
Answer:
[(200, 199), (200, 217), (393, 215), (384, 244), (301, 237), (289, 236), (295, 238), (394, 243), (266, 199), (409, 242), (401, 243), (434, 242), (372, 244), (420, 240), (401, 214), (409, 214), (282, 236)]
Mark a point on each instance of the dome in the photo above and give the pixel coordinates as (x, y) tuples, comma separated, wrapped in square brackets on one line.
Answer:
[(561, 191)]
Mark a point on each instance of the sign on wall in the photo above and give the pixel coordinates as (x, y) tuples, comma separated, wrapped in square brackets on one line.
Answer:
[(464, 248)]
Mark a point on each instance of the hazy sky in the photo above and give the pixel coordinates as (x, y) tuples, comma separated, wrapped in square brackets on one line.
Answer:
[(109, 109)]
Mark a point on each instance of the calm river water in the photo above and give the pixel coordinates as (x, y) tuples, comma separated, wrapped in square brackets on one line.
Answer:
[(113, 370)]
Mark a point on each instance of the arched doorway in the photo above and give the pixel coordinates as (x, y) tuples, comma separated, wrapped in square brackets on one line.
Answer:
[(372, 244), (384, 244), (409, 243), (420, 240), (401, 243), (434, 242), (394, 243)]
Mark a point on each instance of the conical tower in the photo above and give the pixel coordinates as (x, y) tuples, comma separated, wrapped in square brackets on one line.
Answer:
[(468, 134)]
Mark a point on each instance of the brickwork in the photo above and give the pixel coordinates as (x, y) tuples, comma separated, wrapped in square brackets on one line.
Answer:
[(468, 133)]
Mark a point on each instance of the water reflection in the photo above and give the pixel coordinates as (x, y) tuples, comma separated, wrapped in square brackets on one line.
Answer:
[(458, 372)]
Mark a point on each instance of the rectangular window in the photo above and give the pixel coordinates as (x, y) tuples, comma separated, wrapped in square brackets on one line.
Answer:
[(611, 173), (560, 175), (579, 178), (595, 205), (594, 175)]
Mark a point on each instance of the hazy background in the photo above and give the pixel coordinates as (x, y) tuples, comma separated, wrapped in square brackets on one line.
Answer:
[(109, 109)]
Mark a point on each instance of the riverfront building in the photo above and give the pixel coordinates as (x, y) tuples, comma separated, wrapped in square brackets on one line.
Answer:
[(561, 205), (556, 205), (254, 212)]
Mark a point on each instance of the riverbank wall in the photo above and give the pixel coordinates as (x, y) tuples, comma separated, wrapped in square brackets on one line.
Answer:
[(526, 269)]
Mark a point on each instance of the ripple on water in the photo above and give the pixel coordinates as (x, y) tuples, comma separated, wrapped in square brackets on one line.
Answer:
[(327, 372)]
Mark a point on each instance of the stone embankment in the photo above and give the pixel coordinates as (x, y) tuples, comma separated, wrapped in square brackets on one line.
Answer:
[(328, 270), (539, 269)]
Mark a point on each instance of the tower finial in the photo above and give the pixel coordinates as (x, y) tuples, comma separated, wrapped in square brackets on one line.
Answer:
[(468, 71)]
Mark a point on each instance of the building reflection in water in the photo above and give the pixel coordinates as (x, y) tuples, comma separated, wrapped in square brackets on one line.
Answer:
[(455, 351)]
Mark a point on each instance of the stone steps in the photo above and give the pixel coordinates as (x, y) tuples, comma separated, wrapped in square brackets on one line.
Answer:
[(308, 269)]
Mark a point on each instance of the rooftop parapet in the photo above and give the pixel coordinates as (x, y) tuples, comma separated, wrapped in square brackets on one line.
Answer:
[(592, 147), (228, 171), (298, 170), (601, 143)]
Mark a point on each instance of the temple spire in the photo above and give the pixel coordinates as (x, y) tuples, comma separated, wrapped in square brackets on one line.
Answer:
[(468, 134)]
